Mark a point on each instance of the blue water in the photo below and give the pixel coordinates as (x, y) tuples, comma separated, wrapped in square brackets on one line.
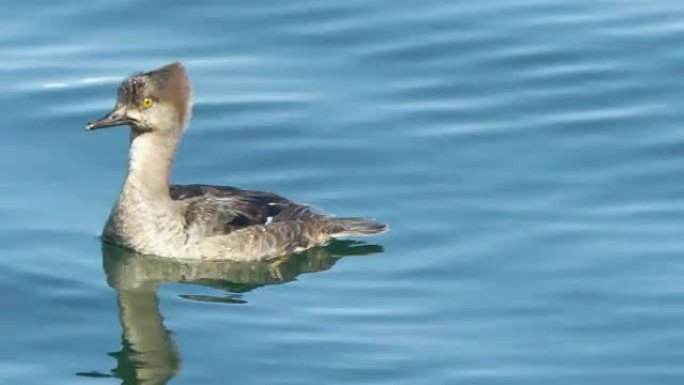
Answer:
[(527, 154)]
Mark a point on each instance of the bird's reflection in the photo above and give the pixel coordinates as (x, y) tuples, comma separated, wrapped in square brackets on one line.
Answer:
[(148, 354)]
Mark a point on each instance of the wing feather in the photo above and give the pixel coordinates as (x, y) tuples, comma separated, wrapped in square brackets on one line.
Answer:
[(215, 210)]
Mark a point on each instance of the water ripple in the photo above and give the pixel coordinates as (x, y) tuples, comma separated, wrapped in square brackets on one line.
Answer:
[(526, 154)]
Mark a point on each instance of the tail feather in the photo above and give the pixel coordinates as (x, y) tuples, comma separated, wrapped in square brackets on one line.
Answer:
[(343, 227)]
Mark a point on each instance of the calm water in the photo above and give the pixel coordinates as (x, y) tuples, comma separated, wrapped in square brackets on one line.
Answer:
[(529, 156)]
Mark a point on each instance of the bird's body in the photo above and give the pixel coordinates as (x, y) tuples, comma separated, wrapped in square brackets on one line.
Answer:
[(199, 221)]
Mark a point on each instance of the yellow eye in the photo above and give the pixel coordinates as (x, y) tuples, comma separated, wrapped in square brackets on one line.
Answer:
[(147, 103)]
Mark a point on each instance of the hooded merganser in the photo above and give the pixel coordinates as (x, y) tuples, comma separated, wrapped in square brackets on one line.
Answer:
[(198, 221)]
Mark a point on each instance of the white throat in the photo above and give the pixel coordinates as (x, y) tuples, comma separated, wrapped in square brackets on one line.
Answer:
[(150, 160)]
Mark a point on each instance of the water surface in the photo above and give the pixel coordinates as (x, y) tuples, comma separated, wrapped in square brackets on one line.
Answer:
[(527, 155)]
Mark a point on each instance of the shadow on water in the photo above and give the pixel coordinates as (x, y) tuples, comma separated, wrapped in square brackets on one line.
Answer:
[(149, 354)]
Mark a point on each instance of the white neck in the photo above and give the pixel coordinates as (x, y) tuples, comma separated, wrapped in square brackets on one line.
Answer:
[(150, 160)]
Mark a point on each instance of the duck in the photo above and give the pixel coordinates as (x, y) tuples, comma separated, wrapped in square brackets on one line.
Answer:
[(199, 221)]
